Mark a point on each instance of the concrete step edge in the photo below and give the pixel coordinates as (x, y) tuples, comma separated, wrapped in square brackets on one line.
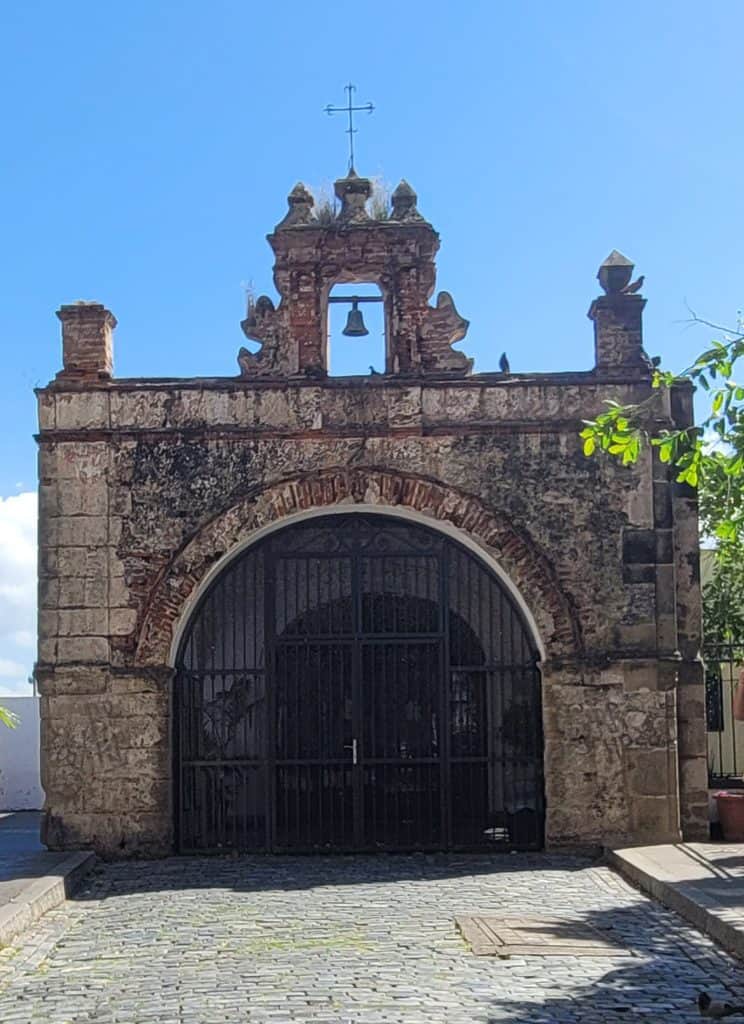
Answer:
[(43, 894), (697, 911)]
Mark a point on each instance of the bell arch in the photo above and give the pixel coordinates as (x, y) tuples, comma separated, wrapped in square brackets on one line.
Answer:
[(357, 681), (356, 312)]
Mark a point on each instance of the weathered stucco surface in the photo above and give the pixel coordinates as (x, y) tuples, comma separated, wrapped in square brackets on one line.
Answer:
[(147, 485)]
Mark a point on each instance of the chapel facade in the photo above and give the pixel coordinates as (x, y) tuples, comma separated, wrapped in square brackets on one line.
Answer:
[(284, 611)]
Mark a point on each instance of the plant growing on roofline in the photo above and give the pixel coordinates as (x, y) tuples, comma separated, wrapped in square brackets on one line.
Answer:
[(708, 456)]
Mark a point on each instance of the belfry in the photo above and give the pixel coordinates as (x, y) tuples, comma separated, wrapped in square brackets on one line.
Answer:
[(396, 253)]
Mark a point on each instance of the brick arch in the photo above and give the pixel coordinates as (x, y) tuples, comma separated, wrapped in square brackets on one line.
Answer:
[(527, 567)]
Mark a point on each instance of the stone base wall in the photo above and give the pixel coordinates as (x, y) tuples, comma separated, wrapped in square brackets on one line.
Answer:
[(106, 764)]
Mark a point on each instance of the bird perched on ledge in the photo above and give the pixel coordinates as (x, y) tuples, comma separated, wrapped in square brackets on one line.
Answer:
[(717, 1010), (504, 363), (636, 286)]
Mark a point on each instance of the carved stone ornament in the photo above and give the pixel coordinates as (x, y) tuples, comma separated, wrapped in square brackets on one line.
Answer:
[(404, 201), (442, 328), (262, 324)]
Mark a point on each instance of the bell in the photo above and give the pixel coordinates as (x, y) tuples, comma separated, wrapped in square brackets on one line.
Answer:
[(355, 323)]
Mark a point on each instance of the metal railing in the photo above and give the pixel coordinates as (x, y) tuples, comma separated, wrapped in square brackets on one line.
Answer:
[(723, 663)]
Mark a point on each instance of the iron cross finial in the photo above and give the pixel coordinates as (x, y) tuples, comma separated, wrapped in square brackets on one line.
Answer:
[(350, 109)]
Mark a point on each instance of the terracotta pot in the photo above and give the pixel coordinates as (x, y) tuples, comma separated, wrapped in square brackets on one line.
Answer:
[(731, 814)]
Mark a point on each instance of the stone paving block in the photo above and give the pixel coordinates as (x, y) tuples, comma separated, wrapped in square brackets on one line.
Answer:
[(350, 940)]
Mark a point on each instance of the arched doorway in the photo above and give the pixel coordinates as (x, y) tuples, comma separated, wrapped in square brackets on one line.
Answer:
[(357, 682)]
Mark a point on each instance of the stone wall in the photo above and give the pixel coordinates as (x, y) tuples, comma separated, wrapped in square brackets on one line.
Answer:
[(146, 486)]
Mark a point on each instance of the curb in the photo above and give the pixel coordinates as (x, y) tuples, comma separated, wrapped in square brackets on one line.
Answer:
[(43, 894), (700, 910)]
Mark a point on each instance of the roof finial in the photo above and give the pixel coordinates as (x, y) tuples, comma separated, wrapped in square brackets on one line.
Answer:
[(350, 109)]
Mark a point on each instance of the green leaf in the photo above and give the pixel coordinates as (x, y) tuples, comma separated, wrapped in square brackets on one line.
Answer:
[(8, 718), (589, 446), (726, 530)]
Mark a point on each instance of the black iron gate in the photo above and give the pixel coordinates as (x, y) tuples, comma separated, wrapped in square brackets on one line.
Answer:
[(723, 665), (357, 682)]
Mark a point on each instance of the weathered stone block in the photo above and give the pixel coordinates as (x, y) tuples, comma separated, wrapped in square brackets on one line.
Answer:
[(111, 835), (651, 772), (47, 411), (77, 460), (639, 547), (81, 680), (641, 675), (48, 592), (83, 410), (82, 648), (78, 531), (663, 515), (122, 621), (655, 816), (694, 774), (666, 595), (48, 623), (134, 794), (119, 593), (83, 622), (47, 649), (639, 573), (49, 501), (89, 497), (664, 547), (71, 562)]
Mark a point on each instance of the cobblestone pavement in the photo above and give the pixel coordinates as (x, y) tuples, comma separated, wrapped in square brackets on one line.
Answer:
[(349, 939)]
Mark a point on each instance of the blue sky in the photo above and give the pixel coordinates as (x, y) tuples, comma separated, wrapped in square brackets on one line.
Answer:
[(150, 147)]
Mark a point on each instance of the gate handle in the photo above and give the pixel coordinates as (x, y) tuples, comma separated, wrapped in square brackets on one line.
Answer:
[(353, 748)]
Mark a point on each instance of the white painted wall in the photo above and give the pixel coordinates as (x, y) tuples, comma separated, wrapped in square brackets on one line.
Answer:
[(20, 785)]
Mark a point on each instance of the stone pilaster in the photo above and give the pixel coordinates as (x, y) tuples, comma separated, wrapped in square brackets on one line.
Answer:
[(693, 761)]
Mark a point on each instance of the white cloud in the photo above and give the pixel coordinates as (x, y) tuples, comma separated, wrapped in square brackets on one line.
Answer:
[(16, 688), (24, 638), (17, 590), (10, 669)]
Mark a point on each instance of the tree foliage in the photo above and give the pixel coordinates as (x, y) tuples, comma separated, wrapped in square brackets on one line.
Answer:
[(708, 456), (8, 718)]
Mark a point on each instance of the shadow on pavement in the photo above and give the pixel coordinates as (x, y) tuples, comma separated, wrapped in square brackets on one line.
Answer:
[(23, 858), (660, 982)]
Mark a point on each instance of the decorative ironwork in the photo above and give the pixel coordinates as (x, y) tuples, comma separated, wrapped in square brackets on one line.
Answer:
[(356, 682), (723, 663)]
